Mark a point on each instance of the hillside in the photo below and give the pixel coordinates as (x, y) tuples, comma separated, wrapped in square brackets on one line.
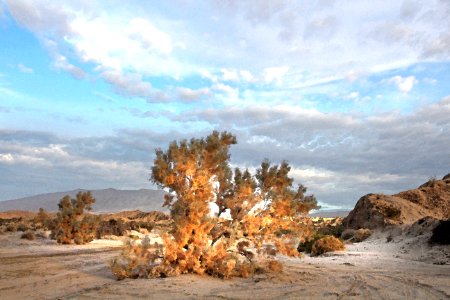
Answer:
[(431, 199), (107, 200)]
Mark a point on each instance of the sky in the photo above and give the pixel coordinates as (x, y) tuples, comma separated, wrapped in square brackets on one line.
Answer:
[(355, 95)]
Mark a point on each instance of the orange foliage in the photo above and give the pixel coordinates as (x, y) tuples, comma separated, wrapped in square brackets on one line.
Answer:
[(258, 215)]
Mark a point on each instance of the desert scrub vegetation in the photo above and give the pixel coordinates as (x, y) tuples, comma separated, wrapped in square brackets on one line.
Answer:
[(28, 235), (326, 244), (356, 236), (71, 224), (225, 222), (43, 220)]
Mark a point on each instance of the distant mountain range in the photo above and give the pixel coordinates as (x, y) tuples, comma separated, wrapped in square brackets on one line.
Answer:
[(112, 201), (107, 200)]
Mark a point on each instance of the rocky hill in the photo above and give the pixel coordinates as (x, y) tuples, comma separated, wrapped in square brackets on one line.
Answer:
[(107, 201), (377, 210)]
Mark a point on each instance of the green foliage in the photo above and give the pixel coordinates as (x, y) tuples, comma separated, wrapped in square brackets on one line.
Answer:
[(71, 224)]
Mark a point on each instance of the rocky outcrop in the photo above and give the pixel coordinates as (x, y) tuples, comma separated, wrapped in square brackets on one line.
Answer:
[(377, 210)]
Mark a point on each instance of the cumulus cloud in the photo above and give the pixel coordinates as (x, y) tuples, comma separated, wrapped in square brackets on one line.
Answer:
[(340, 157), (229, 75), (325, 40), (403, 84), (51, 163), (275, 74)]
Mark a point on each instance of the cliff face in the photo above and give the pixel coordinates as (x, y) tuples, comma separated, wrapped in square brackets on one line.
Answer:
[(377, 210)]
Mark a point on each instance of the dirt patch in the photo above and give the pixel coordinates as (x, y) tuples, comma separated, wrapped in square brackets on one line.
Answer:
[(41, 269)]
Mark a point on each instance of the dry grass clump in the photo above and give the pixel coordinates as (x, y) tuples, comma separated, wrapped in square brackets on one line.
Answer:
[(327, 244), (28, 235)]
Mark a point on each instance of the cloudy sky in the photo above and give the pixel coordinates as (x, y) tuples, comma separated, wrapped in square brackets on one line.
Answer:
[(354, 94)]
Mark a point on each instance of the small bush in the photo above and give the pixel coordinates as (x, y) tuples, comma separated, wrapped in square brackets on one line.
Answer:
[(306, 246), (28, 235), (111, 227), (22, 227), (361, 235), (11, 227), (327, 244), (356, 235), (275, 266)]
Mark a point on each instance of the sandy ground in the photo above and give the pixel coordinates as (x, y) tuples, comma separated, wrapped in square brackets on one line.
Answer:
[(374, 269)]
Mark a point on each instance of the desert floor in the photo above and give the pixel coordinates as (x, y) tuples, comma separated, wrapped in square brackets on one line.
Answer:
[(374, 269)]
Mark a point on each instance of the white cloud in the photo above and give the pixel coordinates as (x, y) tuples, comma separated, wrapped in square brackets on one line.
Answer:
[(224, 88), (24, 69), (6, 158), (403, 84), (190, 94), (229, 75), (353, 95), (275, 74), (162, 40), (61, 62), (149, 36), (132, 85), (246, 75)]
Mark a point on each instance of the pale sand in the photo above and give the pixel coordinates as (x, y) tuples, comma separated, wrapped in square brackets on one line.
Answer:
[(373, 269)]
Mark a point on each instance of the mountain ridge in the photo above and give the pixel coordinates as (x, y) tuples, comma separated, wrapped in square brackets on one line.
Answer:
[(107, 200)]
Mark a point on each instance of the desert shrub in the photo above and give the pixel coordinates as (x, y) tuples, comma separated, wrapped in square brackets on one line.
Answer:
[(136, 225), (29, 235), (251, 212), (71, 225), (11, 227), (356, 235), (111, 227), (22, 227), (327, 244), (42, 219), (441, 233), (274, 266), (7, 221), (306, 245), (334, 230), (361, 234)]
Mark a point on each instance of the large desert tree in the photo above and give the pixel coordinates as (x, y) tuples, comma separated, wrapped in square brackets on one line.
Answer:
[(225, 220)]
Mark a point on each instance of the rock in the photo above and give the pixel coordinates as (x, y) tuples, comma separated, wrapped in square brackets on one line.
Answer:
[(376, 211)]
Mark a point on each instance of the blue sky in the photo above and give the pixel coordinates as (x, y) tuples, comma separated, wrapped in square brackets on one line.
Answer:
[(354, 95)]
